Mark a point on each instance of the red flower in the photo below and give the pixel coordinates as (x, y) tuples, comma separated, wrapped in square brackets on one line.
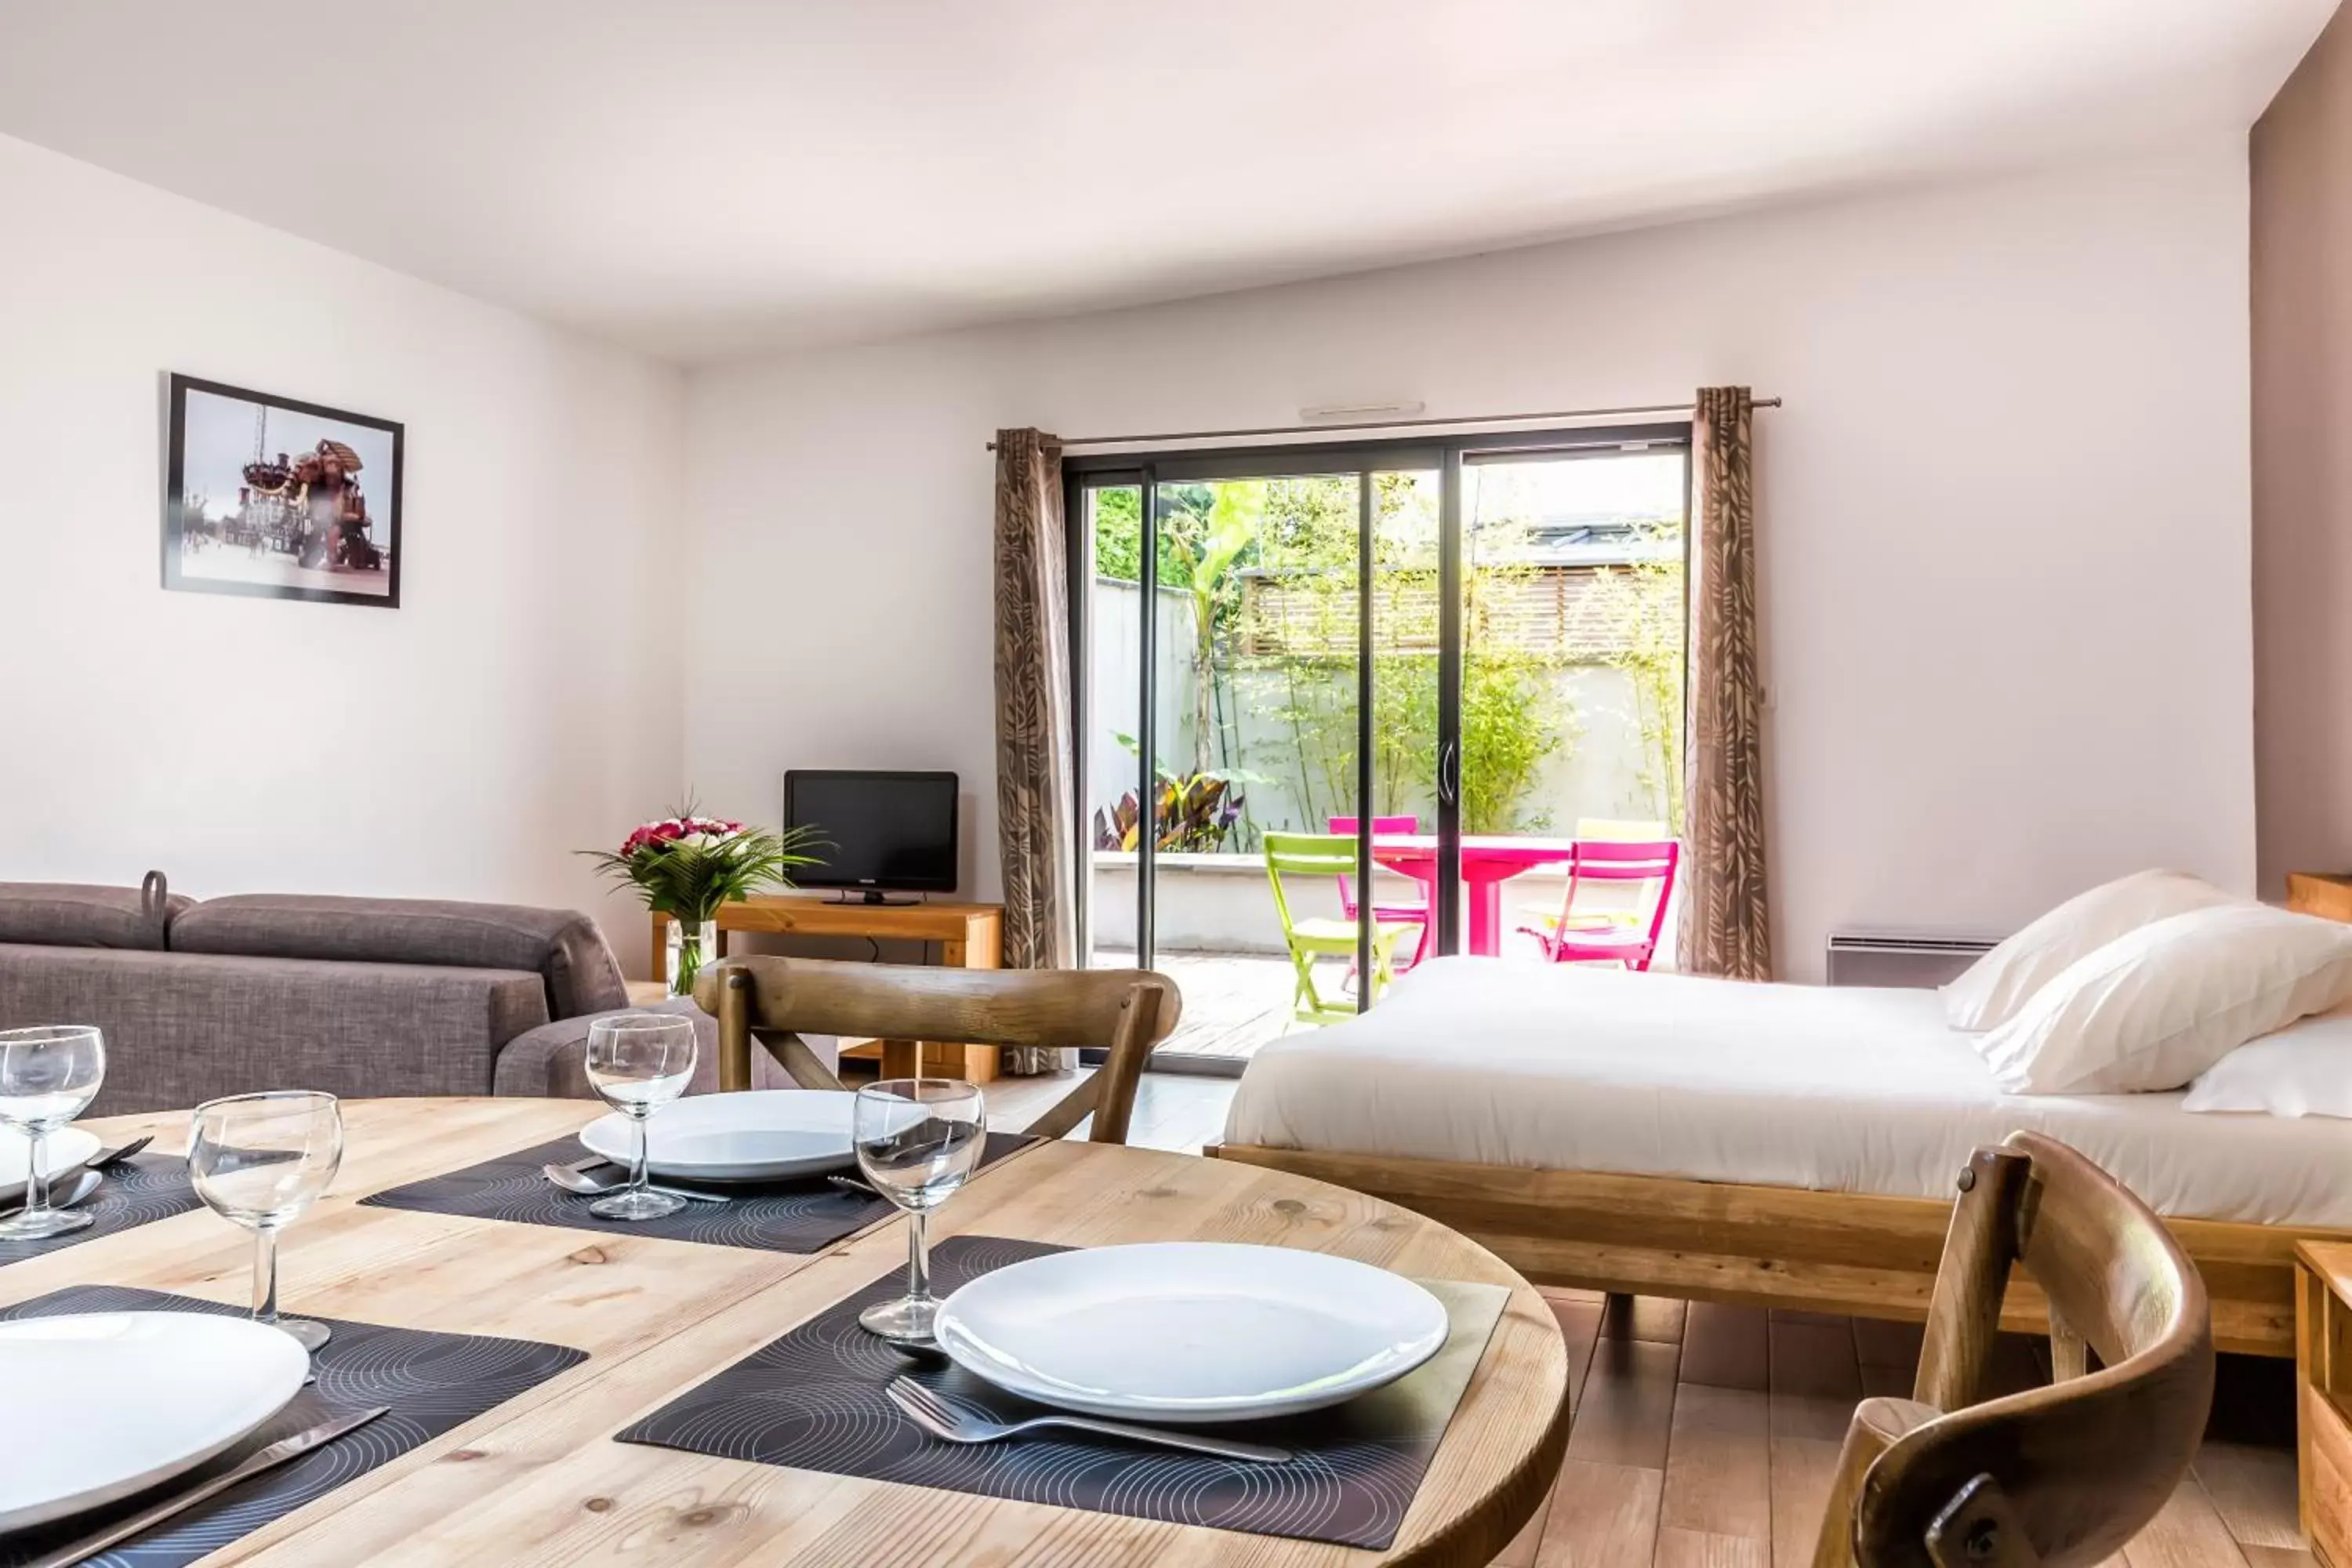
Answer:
[(653, 834)]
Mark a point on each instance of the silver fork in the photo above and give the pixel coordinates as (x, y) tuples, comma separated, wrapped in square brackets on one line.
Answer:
[(945, 1422), (106, 1157)]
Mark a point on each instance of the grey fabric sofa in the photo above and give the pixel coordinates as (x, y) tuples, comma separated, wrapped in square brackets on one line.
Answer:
[(355, 997)]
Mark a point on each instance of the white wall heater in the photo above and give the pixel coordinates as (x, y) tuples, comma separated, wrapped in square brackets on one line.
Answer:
[(1900, 958)]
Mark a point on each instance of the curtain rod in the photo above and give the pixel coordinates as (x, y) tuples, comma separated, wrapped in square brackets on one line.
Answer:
[(1396, 424)]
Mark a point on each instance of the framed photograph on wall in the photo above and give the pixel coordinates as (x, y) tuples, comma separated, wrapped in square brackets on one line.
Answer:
[(269, 497)]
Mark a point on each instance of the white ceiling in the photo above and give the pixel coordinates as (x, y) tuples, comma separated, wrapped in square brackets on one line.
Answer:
[(706, 179)]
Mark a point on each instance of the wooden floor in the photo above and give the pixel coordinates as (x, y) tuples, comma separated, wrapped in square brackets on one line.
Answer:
[(1705, 1438), (1704, 1435), (1172, 1110), (1233, 1002)]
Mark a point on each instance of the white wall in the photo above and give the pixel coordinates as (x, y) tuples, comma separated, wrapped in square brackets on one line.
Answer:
[(521, 703), (2004, 514)]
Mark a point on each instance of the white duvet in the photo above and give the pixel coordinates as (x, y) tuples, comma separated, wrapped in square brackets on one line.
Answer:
[(1492, 1062)]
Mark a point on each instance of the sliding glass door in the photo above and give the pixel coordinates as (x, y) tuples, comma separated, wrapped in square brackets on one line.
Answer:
[(1340, 707), (1572, 619)]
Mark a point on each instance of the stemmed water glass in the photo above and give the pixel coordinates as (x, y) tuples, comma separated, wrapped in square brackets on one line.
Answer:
[(918, 1140), (638, 1061), (260, 1161), (48, 1076)]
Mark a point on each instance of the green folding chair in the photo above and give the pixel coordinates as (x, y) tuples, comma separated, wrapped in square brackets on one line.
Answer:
[(1322, 857)]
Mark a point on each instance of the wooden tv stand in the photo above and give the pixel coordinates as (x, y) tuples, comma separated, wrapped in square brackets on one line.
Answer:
[(970, 936)]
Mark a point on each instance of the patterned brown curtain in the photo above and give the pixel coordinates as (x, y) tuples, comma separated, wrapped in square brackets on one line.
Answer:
[(1725, 927), (1035, 804)]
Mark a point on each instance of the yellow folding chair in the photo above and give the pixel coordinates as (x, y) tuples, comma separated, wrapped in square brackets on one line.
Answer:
[(1323, 856)]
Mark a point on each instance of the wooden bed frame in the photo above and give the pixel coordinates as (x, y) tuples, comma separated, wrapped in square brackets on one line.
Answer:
[(1768, 1246)]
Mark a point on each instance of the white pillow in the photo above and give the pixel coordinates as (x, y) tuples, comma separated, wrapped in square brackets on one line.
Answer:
[(1996, 985), (2304, 1069), (2158, 1006)]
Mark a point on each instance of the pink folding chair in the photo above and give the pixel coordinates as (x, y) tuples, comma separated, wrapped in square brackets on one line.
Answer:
[(1576, 938), (1415, 913)]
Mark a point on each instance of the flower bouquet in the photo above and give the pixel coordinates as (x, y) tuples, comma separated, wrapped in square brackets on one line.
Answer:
[(686, 866)]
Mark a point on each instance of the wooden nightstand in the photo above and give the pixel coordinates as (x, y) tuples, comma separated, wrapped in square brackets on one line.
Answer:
[(2322, 1365), (2324, 893)]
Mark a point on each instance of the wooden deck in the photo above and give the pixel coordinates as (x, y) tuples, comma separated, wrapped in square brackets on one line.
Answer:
[(1233, 1002)]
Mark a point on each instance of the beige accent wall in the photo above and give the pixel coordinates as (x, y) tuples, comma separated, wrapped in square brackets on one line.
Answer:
[(2302, 181)]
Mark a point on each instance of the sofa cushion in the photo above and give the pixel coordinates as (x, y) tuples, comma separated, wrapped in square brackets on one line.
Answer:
[(182, 1027), (563, 946), (71, 914)]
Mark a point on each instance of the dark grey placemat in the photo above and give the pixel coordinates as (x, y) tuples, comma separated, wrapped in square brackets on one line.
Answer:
[(142, 1188), (433, 1382), (806, 1216), (814, 1400)]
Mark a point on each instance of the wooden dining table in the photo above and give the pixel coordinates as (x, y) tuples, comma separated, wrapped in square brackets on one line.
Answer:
[(541, 1479)]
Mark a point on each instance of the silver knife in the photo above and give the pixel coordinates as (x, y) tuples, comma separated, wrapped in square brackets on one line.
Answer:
[(13, 1193), (260, 1459), (65, 1190)]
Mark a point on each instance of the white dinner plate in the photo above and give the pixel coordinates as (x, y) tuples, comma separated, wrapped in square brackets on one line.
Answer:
[(61, 1150), (125, 1400), (759, 1135), (1178, 1332)]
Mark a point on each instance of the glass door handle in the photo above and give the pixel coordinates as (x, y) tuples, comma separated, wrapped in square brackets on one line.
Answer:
[(1449, 773)]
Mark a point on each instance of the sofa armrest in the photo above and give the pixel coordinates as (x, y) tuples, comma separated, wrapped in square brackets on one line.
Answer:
[(549, 1061)]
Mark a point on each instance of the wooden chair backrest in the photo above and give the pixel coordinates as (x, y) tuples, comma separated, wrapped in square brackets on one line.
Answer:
[(1125, 1012), (2053, 1477)]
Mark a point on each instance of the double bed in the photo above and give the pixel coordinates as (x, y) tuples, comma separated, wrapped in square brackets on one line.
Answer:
[(1765, 1145)]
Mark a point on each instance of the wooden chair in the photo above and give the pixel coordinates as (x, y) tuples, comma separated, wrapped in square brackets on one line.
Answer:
[(777, 1000), (2053, 1477)]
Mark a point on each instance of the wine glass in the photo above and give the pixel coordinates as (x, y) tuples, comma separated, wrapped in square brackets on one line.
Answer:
[(918, 1140), (638, 1061), (48, 1076), (260, 1161)]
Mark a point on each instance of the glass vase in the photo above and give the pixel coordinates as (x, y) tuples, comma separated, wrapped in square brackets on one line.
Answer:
[(690, 946)]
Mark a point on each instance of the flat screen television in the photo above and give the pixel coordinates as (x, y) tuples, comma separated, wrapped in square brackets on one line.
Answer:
[(882, 832)]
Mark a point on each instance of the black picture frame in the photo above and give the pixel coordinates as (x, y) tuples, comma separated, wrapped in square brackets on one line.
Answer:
[(383, 514)]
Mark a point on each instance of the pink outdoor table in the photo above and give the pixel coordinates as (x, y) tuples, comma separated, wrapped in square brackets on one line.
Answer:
[(1487, 862)]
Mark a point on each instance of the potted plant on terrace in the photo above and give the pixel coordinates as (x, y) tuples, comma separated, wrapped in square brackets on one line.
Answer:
[(686, 866)]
